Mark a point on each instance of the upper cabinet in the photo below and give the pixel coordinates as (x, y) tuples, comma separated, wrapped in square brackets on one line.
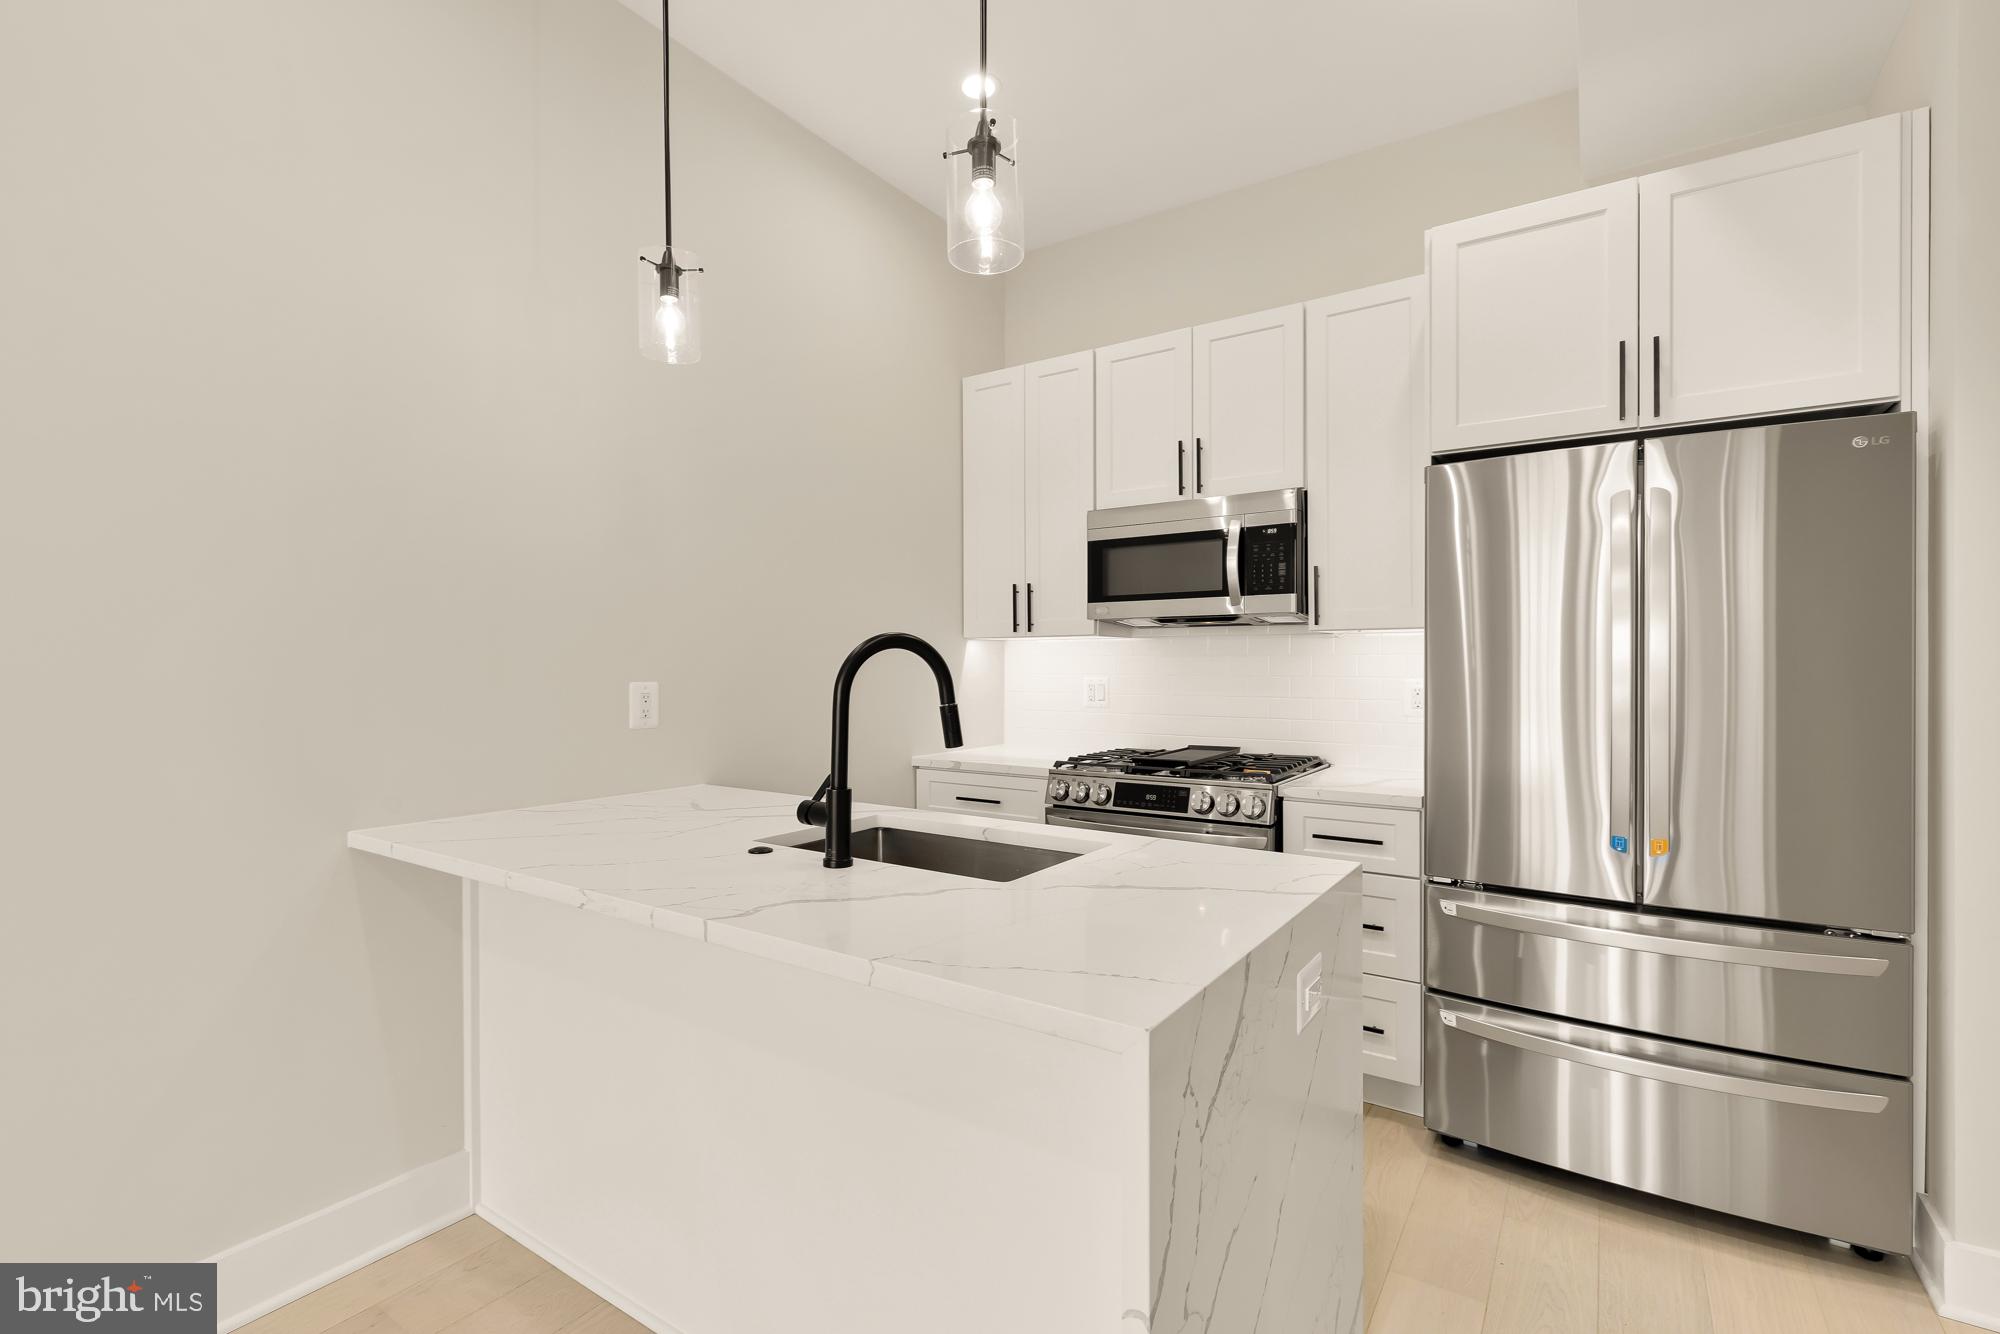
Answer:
[(1771, 280), (1143, 415), (1249, 403), (1365, 455), (1027, 483), (1208, 411), (1534, 313)]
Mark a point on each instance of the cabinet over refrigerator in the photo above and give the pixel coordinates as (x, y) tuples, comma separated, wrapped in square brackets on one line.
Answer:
[(1670, 825)]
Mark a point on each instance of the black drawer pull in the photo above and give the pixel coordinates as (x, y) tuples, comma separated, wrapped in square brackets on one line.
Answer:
[(1343, 838), (1370, 1028), (983, 801), (1370, 926)]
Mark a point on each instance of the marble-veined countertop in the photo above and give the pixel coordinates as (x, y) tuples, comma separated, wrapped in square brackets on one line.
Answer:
[(1018, 761), (1100, 949)]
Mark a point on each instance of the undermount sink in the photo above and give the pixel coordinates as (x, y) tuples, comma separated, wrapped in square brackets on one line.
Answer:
[(949, 854)]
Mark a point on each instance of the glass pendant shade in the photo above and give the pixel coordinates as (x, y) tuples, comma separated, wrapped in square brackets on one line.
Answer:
[(670, 308), (982, 214)]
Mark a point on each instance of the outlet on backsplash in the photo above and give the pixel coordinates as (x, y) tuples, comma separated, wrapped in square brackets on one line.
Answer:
[(1413, 699), (1096, 692)]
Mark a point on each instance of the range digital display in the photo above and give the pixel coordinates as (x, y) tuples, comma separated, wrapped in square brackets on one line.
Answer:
[(1170, 799)]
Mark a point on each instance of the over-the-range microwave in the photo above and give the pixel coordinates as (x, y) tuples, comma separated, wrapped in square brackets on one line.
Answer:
[(1214, 560)]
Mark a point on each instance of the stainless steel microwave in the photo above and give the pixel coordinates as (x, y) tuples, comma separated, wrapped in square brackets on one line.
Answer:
[(1215, 560)]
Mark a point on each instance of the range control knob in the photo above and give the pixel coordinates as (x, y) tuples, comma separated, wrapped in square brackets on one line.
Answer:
[(1257, 807), (1103, 794), (1059, 789), (1081, 792), (1204, 802), (1230, 803)]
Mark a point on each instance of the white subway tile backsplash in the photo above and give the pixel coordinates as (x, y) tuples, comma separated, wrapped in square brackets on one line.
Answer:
[(1342, 696)]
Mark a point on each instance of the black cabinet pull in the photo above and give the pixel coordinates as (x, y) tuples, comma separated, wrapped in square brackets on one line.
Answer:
[(1370, 926), (1197, 465), (983, 801), (1181, 476), (1657, 409), (1016, 604), (1315, 595), (1031, 609), (1343, 838), (1370, 1028), (1621, 379)]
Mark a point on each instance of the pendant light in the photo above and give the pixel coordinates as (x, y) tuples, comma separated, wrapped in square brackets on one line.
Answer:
[(669, 287), (982, 207)]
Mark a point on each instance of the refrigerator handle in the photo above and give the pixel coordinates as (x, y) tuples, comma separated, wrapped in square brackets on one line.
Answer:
[(1623, 592), (1662, 661)]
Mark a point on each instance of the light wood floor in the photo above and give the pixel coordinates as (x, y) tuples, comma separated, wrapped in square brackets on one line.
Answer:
[(1458, 1242)]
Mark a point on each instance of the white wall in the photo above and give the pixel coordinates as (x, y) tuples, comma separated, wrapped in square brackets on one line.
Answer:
[(335, 493), (1344, 697), (1945, 59), (1332, 228)]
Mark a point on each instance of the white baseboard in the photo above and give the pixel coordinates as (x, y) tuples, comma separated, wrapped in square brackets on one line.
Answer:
[(1963, 1280), (650, 1319), (1406, 1098), (259, 1275)]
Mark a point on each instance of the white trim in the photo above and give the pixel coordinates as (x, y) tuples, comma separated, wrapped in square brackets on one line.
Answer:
[(1405, 1098), (650, 1319), (257, 1276), (1963, 1280), (469, 1033)]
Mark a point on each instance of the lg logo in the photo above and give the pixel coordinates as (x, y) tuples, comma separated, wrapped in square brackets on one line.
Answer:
[(1862, 441)]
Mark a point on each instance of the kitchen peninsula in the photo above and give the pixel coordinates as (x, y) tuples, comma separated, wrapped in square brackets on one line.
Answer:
[(734, 1091)]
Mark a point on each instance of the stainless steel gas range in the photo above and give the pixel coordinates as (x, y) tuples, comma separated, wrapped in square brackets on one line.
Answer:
[(1203, 794)]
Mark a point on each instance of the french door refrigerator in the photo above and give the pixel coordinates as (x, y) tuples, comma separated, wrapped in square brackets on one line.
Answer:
[(1670, 824)]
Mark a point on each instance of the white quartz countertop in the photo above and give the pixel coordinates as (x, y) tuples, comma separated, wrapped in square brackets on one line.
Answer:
[(1358, 788), (1025, 762), (1099, 949)]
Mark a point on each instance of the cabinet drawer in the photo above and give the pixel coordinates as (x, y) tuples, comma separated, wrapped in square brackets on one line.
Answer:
[(1381, 839), (1391, 926), (1000, 796), (1392, 1016)]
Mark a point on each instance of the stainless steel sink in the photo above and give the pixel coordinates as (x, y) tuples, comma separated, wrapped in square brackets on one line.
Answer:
[(975, 858)]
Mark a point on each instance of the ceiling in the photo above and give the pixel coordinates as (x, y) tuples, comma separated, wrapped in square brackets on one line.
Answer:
[(1130, 107)]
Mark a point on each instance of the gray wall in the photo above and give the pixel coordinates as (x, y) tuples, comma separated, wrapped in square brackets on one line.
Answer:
[(335, 493), (1332, 228), (1945, 59)]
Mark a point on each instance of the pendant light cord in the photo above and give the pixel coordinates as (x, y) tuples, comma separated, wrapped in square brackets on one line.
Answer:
[(982, 58), (667, 129)]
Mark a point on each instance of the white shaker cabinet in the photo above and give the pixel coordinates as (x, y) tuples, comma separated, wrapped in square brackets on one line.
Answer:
[(1771, 280), (1060, 420), (994, 435), (1366, 446), (1143, 406), (1534, 320), (1027, 492), (1249, 403)]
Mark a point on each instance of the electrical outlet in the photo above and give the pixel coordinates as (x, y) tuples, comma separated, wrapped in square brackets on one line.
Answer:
[(642, 704), (1413, 699), (1096, 692), (1310, 1001)]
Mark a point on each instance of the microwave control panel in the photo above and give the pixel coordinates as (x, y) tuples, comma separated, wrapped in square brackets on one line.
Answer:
[(1270, 559)]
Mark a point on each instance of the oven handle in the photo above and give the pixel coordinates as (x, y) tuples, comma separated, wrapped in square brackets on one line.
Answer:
[(1146, 826), (1232, 558), (1736, 1086)]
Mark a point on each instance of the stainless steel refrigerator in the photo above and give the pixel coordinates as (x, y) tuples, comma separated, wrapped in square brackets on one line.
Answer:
[(1670, 816)]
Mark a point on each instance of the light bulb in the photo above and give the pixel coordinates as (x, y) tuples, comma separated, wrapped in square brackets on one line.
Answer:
[(982, 209), (971, 85), (673, 320)]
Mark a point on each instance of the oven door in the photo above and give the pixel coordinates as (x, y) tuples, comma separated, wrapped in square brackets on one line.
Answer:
[(1220, 559), (1153, 826)]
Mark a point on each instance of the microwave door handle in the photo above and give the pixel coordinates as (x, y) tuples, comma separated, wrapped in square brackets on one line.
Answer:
[(1232, 556)]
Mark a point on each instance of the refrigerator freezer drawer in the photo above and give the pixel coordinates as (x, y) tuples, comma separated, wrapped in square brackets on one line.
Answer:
[(1803, 995), (1822, 1151)]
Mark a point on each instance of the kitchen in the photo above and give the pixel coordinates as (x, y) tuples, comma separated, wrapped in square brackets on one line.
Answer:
[(407, 530)]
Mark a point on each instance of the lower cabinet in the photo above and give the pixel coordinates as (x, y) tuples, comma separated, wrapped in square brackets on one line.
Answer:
[(1386, 842), (999, 796)]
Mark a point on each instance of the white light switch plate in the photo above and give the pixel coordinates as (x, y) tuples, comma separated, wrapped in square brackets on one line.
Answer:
[(642, 704), (1096, 692), (1310, 1002)]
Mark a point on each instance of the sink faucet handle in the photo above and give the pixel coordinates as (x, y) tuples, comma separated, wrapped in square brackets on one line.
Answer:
[(813, 810)]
